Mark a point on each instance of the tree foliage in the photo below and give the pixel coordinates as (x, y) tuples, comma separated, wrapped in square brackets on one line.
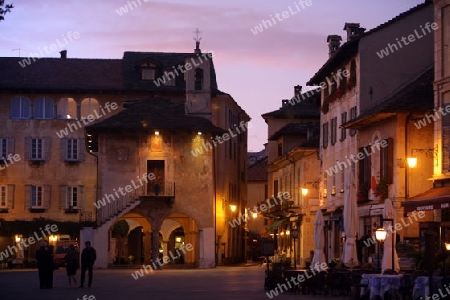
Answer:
[(121, 228), (4, 8)]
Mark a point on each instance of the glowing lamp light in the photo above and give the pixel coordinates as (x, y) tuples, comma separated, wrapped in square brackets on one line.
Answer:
[(282, 233), (156, 132), (178, 239), (380, 234), (447, 246), (18, 238), (254, 215), (304, 191), (53, 238), (412, 162), (288, 232), (199, 133), (233, 207)]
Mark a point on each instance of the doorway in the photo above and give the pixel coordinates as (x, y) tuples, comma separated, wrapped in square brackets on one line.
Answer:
[(156, 186)]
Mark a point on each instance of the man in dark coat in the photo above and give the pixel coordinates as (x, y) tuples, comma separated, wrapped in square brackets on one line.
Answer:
[(44, 259), (88, 257)]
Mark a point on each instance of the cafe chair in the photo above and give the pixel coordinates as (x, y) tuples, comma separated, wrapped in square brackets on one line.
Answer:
[(358, 284)]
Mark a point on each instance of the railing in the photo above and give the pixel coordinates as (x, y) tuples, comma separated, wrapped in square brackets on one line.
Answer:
[(112, 207)]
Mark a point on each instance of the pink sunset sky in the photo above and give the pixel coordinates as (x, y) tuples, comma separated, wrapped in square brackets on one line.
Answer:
[(257, 70)]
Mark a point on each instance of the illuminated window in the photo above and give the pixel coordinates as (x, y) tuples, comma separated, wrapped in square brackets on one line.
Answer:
[(67, 109), (88, 106)]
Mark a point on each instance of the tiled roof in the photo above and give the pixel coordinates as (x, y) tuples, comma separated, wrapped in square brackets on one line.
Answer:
[(415, 95), (166, 61), (96, 74), (309, 107), (61, 74), (258, 171), (299, 129), (156, 114), (350, 48)]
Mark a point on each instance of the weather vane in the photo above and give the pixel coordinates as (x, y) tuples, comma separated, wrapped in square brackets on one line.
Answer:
[(197, 39), (197, 35)]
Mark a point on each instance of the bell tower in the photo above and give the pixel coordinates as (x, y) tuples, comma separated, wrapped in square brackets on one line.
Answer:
[(198, 81)]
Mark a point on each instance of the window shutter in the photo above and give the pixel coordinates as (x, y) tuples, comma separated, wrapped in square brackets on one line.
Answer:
[(47, 196), (81, 149), (81, 196), (387, 161), (46, 148), (27, 196), (11, 146), (10, 195), (63, 149), (63, 196), (28, 148)]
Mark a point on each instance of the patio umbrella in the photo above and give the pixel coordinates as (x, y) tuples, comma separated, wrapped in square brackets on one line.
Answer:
[(386, 263), (319, 242), (349, 255)]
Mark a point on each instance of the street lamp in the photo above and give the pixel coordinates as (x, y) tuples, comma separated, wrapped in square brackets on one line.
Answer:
[(380, 235), (294, 235), (412, 162), (304, 191), (233, 207)]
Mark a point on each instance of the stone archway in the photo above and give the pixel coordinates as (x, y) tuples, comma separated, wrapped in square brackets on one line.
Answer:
[(140, 232), (190, 236)]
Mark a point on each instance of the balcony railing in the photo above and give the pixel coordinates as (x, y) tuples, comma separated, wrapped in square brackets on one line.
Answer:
[(112, 208)]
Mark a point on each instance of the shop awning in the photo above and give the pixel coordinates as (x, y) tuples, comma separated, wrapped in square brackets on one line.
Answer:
[(276, 224), (436, 198)]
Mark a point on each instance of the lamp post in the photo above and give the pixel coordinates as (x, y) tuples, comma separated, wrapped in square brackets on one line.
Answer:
[(234, 235), (294, 234), (380, 235)]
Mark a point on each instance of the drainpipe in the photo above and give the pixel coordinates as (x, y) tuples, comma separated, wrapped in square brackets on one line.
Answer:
[(406, 155), (216, 239)]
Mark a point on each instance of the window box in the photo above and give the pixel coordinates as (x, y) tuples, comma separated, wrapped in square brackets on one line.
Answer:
[(37, 210), (37, 162)]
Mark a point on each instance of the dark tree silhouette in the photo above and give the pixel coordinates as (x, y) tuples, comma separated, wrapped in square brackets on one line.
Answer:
[(121, 229), (4, 8)]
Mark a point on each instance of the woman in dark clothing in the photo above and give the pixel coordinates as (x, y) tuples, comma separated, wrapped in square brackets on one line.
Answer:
[(71, 260)]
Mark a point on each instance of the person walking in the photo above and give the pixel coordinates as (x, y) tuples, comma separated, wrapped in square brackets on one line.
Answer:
[(44, 259), (72, 265), (88, 257)]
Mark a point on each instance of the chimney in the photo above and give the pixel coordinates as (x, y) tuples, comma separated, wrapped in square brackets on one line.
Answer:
[(63, 54), (353, 31), (334, 41), (284, 102), (297, 90)]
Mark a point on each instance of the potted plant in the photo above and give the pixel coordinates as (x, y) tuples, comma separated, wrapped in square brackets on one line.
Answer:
[(382, 189)]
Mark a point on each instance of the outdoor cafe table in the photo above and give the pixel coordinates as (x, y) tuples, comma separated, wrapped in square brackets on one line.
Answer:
[(422, 287), (379, 284)]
